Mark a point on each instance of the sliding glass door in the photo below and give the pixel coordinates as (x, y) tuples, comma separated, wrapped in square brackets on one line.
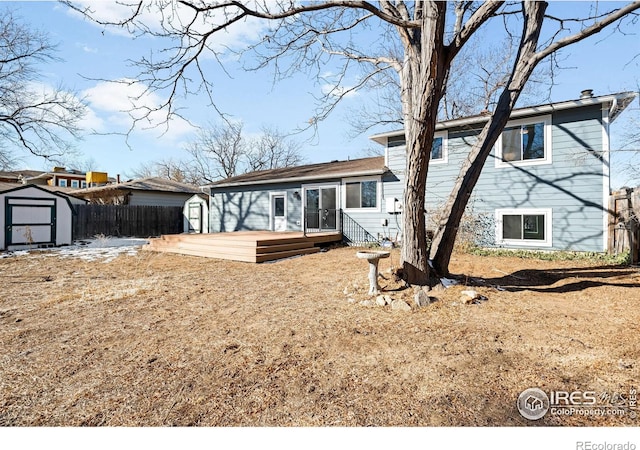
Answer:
[(321, 208)]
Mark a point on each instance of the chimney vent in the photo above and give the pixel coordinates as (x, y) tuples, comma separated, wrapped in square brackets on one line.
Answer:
[(587, 93)]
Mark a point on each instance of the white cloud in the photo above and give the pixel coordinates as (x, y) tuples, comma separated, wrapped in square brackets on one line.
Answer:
[(114, 105), (157, 15), (85, 48), (334, 90)]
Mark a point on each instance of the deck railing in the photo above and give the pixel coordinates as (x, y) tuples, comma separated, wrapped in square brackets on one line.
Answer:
[(355, 234), (327, 220), (322, 221)]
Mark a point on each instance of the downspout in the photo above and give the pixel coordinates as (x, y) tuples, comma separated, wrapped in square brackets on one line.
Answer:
[(614, 106)]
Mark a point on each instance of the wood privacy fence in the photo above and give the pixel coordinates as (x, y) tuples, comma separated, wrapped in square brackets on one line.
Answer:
[(125, 220), (624, 223)]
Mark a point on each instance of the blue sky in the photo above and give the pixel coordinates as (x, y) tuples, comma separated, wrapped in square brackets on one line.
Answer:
[(91, 53)]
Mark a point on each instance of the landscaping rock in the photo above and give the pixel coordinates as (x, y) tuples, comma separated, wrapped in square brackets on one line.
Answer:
[(472, 298), (381, 301), (399, 305), (367, 303), (421, 299)]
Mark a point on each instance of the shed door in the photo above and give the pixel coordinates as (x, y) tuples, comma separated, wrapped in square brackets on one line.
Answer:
[(30, 221), (195, 217)]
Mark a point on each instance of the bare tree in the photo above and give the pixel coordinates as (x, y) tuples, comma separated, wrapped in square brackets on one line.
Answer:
[(168, 168), (39, 119), (417, 40), (272, 150), (222, 151), (530, 53), (218, 151)]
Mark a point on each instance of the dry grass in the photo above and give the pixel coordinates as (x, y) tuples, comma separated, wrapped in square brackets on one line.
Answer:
[(159, 339)]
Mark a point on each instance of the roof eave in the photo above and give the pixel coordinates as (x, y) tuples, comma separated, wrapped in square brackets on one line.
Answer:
[(328, 176), (618, 104)]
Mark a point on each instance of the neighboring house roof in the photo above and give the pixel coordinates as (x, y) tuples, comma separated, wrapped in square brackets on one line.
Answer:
[(7, 186), (11, 187), (335, 169), (616, 103), (18, 175), (144, 184)]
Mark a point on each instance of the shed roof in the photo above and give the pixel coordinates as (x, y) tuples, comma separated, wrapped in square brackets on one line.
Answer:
[(8, 188), (321, 171)]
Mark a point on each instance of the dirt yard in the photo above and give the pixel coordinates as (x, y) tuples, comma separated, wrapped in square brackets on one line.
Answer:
[(147, 339)]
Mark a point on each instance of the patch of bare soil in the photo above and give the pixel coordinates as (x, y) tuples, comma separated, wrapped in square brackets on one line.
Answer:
[(160, 339)]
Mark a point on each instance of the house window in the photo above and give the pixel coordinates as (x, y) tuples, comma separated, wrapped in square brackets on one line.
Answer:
[(525, 142), (62, 182), (83, 184), (74, 183), (396, 141), (439, 148), (524, 227), (361, 194)]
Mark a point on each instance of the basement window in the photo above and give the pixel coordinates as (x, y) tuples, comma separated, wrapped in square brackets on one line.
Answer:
[(523, 227)]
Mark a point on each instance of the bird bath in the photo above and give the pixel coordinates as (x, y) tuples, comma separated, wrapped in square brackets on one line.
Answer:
[(373, 257)]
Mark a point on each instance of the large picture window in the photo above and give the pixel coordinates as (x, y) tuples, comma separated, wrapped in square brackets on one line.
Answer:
[(361, 194), (524, 142), (527, 227)]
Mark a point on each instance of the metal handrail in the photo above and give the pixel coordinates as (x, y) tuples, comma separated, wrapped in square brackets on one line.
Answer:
[(355, 234)]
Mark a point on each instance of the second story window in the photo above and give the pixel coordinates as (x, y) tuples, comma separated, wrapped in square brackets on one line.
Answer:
[(439, 152), (525, 142)]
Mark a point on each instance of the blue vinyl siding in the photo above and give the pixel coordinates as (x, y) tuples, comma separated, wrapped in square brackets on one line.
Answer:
[(571, 185), (247, 208)]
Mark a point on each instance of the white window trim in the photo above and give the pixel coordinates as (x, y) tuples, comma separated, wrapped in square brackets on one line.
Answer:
[(303, 208), (343, 193), (445, 148), (548, 148), (75, 183), (62, 182), (548, 227)]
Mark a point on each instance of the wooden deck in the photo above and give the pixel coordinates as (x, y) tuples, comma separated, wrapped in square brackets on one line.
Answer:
[(248, 246)]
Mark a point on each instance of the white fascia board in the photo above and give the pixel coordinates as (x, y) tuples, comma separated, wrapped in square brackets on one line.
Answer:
[(301, 179), (621, 101)]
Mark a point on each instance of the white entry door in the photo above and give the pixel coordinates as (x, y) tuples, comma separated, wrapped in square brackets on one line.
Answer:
[(278, 212)]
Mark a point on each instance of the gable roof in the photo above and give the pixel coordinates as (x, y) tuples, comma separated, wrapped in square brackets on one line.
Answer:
[(7, 188), (616, 103), (309, 172), (144, 184)]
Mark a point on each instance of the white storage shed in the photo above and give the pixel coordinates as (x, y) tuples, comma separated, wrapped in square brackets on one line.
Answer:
[(34, 217), (196, 214)]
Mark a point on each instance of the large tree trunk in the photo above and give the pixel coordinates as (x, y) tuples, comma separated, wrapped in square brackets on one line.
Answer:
[(422, 78), (526, 61)]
